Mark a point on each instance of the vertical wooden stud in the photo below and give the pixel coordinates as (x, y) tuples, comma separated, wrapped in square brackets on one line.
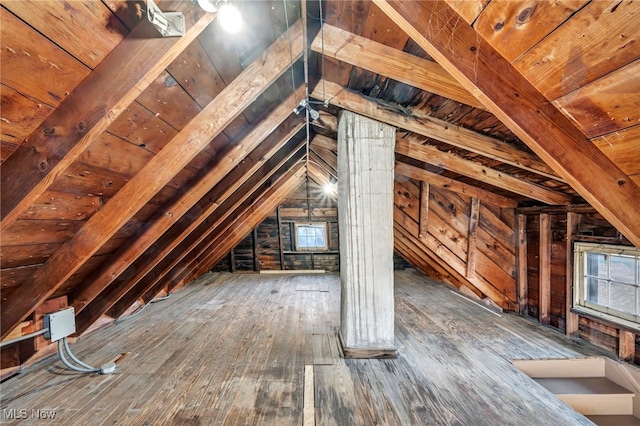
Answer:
[(571, 319), (473, 236), (424, 210), (256, 263), (544, 298), (280, 248), (522, 285), (627, 346)]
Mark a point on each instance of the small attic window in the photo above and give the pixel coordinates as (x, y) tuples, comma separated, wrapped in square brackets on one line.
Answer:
[(607, 282), (311, 236)]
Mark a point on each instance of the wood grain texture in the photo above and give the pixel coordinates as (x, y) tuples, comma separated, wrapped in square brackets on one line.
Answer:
[(410, 146), (20, 116), (448, 250), (231, 348), (389, 62), (544, 297), (571, 318), (172, 213), (433, 128), (622, 148), (61, 138), (607, 105), (522, 107), (453, 185), (514, 27), (144, 185), (584, 49), (34, 66), (92, 21), (521, 264), (472, 240)]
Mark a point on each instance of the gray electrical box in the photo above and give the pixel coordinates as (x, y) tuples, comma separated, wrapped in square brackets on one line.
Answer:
[(60, 324)]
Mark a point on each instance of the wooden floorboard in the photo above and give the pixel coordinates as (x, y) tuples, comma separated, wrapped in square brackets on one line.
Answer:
[(232, 349)]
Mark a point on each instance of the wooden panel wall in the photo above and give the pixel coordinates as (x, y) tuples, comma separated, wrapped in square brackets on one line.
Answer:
[(270, 246), (591, 227), (467, 243), (272, 242)]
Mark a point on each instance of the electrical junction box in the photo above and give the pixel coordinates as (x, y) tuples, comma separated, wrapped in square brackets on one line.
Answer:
[(60, 324)]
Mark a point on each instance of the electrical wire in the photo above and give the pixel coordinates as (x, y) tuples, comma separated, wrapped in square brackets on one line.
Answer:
[(25, 337), (286, 20), (68, 364), (73, 357), (324, 89)]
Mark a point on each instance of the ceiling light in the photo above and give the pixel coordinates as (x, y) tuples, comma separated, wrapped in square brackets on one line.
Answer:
[(229, 16), (207, 5)]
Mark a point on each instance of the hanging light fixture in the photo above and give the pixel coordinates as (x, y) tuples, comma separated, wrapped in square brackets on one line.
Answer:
[(229, 16)]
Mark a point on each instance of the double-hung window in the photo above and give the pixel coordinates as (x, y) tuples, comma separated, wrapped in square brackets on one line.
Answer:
[(607, 282)]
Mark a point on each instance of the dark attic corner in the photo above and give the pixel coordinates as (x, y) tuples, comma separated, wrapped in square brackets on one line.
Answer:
[(320, 212)]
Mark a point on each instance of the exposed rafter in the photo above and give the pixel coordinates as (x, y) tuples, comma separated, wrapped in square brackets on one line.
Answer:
[(410, 146), (453, 185), (433, 128), (353, 49), (210, 122), (222, 201), (172, 213), (86, 113), (455, 45)]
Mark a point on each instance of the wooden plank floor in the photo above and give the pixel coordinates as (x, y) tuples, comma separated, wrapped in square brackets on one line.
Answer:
[(231, 349)]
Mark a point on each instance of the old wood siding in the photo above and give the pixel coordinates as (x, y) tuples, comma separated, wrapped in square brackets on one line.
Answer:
[(271, 245), (445, 250), (592, 228)]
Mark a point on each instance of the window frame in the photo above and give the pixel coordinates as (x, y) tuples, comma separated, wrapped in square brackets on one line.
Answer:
[(324, 226), (580, 302)]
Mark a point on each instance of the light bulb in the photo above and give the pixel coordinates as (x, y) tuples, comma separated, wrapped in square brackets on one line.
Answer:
[(230, 18), (207, 5)]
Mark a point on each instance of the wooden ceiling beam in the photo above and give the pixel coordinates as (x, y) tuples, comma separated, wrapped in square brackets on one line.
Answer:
[(87, 112), (246, 196), (235, 228), (433, 128), (219, 203), (174, 211), (411, 147), (444, 35), (210, 122), (453, 185), (401, 66)]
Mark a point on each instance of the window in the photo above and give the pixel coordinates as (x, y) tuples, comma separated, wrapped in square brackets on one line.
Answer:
[(311, 236), (607, 282)]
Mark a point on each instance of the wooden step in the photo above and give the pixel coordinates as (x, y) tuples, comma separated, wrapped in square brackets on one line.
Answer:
[(615, 420), (591, 395), (578, 367)]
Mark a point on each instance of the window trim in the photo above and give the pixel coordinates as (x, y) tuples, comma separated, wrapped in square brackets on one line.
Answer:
[(581, 305), (297, 225)]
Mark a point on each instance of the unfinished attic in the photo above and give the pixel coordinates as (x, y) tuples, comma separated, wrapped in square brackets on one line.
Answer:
[(337, 212)]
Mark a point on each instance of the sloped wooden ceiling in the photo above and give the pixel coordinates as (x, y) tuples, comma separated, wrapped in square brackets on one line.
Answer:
[(131, 164)]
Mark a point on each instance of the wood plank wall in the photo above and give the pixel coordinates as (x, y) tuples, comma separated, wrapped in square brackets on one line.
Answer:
[(271, 245), (466, 243), (591, 227)]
